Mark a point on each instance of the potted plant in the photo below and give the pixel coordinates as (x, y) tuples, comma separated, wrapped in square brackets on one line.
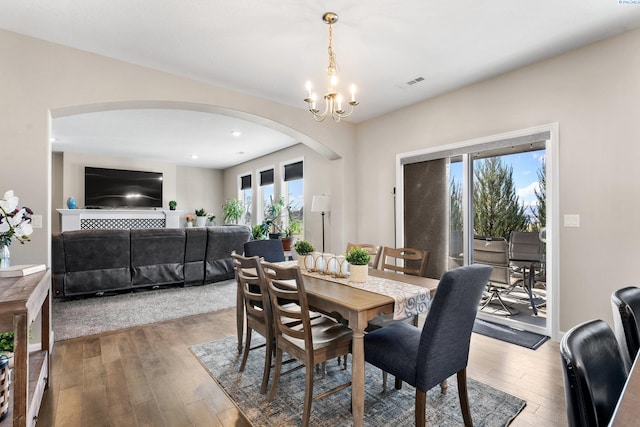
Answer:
[(303, 248), (294, 228), (172, 205), (211, 219), (358, 259), (190, 219), (232, 211), (6, 346), (258, 232), (201, 217), (273, 217)]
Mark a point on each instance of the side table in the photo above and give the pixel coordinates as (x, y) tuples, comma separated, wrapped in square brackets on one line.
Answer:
[(21, 299)]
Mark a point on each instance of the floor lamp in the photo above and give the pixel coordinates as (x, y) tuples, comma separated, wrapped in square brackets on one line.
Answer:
[(321, 204)]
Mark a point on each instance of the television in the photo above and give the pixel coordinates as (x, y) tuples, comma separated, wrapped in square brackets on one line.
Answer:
[(116, 188)]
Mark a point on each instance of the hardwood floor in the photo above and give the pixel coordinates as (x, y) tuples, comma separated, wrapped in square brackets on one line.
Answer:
[(146, 376)]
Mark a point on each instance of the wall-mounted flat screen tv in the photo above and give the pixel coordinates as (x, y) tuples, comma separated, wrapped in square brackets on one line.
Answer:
[(115, 188)]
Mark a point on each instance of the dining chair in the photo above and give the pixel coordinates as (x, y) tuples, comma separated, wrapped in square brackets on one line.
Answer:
[(373, 250), (426, 357), (493, 251), (311, 343), (594, 373), (271, 250), (257, 307), (625, 303), (405, 260)]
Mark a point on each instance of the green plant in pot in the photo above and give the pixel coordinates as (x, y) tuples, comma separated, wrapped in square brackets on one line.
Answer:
[(172, 205), (259, 232), (232, 211), (303, 248), (211, 219), (358, 260), (294, 228), (273, 217), (201, 217)]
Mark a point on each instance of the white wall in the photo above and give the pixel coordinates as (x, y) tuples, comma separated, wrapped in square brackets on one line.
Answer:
[(593, 94)]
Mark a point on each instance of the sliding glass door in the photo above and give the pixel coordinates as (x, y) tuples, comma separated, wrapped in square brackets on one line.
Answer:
[(488, 191)]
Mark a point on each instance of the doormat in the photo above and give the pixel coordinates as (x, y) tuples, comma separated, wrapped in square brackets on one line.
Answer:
[(511, 335)]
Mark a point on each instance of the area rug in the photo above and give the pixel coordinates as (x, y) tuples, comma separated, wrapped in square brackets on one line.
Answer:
[(94, 315), (489, 407), (511, 335)]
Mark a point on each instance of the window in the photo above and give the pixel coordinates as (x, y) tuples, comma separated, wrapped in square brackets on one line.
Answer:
[(293, 190), (266, 192), (246, 197)]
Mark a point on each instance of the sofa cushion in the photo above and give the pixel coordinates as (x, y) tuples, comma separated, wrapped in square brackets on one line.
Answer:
[(195, 250), (221, 241), (96, 261), (157, 256)]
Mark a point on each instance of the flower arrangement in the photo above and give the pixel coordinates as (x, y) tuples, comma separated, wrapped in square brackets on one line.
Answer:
[(190, 218), (15, 223)]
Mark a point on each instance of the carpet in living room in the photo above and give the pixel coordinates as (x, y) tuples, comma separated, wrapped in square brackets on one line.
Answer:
[(489, 406), (94, 315)]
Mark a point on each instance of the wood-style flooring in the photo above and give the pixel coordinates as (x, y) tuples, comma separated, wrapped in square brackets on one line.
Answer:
[(146, 376)]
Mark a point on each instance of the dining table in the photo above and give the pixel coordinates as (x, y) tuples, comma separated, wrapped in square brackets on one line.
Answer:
[(627, 411), (357, 306)]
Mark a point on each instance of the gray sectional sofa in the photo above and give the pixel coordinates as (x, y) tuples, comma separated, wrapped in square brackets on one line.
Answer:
[(89, 262)]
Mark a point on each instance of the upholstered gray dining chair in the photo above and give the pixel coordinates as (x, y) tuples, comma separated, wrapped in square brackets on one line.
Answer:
[(270, 250), (594, 373), (625, 303), (425, 358)]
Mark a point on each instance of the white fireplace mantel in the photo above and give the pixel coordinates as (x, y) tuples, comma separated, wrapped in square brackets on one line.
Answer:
[(87, 219)]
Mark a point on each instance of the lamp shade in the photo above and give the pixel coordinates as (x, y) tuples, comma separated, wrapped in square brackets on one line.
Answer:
[(321, 204)]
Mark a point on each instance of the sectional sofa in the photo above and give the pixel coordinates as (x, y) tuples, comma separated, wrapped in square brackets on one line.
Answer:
[(89, 262)]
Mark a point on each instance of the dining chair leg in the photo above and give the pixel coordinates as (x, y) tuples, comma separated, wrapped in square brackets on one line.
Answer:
[(247, 347), (267, 365), (444, 385), (276, 374), (421, 408), (308, 395), (464, 397), (398, 383)]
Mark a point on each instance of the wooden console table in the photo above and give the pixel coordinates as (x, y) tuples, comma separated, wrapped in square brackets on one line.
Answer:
[(21, 299)]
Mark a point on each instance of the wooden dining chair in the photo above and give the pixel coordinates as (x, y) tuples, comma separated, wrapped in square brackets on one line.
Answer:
[(405, 260), (310, 342), (257, 309), (426, 357), (371, 249)]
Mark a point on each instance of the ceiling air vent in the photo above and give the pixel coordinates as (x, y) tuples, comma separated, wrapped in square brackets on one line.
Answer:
[(414, 81)]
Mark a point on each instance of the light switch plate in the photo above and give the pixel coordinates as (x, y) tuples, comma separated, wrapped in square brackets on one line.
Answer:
[(572, 220), (36, 221)]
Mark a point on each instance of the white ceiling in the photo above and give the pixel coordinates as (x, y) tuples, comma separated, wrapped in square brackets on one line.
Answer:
[(270, 48)]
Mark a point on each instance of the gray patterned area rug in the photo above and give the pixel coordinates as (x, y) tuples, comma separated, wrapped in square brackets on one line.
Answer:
[(88, 316), (489, 407)]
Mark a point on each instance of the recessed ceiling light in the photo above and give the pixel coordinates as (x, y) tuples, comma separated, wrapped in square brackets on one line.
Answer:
[(194, 156), (236, 133), (240, 153)]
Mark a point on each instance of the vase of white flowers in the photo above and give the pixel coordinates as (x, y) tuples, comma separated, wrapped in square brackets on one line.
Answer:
[(15, 224)]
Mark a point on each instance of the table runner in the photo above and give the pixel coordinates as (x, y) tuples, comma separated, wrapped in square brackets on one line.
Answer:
[(410, 300)]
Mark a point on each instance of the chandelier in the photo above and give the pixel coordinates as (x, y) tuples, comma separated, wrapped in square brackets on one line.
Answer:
[(333, 100)]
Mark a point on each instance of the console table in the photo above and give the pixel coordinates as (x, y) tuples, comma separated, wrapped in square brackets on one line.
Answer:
[(21, 299), (118, 219)]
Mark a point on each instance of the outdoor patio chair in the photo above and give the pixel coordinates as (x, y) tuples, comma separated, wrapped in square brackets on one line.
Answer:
[(493, 251)]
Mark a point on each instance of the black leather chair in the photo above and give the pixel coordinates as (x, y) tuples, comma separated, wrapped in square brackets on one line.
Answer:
[(271, 250), (594, 373), (626, 321), (425, 358), (221, 242)]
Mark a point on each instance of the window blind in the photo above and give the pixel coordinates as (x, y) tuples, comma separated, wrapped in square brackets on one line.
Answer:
[(293, 171), (266, 177), (245, 182)]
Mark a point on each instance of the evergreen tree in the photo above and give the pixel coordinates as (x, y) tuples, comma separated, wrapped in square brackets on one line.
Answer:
[(541, 198), (497, 208), (455, 203)]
